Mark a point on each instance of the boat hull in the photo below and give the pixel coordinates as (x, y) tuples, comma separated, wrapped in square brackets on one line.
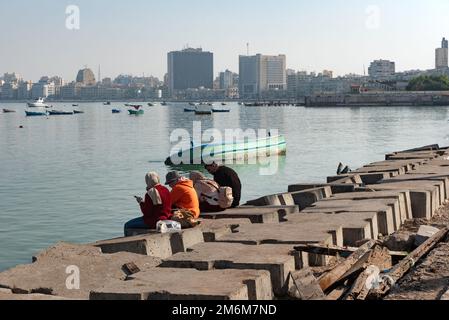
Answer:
[(8, 111), (241, 152), (35, 114), (60, 113), (136, 112)]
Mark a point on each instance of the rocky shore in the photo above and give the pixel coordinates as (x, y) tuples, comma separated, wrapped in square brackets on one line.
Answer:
[(324, 236)]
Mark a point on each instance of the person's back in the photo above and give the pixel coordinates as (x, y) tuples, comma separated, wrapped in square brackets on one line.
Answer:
[(207, 191), (153, 213), (184, 196), (226, 177)]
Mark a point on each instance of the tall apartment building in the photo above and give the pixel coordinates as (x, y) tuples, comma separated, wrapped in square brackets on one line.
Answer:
[(261, 73)]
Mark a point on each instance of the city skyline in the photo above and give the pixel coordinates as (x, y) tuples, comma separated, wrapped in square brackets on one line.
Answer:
[(312, 36)]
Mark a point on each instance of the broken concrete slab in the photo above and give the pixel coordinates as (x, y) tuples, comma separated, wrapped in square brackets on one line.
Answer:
[(53, 268), (189, 284), (400, 241), (424, 233), (279, 260), (366, 178), (304, 286), (214, 229), (155, 244)]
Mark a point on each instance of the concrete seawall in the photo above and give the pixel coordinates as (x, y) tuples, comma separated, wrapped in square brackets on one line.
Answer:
[(248, 252)]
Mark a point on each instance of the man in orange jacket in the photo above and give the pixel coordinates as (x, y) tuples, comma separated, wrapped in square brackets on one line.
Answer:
[(183, 194)]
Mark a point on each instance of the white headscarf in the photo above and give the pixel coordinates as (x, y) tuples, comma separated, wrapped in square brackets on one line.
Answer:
[(152, 180)]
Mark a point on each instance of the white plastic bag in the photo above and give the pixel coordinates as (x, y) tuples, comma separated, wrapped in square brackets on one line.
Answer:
[(168, 226)]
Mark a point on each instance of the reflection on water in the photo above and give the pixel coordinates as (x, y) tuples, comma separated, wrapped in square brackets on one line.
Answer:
[(73, 178)]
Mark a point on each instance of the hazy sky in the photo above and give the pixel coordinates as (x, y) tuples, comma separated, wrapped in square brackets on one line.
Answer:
[(134, 36)]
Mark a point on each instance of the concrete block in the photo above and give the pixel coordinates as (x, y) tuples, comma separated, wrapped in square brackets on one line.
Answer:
[(366, 178), (155, 244), (355, 226), (272, 214), (189, 284), (48, 274), (424, 233), (214, 229), (30, 297), (335, 187), (279, 260)]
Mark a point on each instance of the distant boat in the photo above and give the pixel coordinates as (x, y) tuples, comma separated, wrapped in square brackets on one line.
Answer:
[(229, 151), (135, 112), (35, 113), (150, 104), (78, 112), (220, 110), (192, 104), (116, 111), (107, 103), (189, 109), (75, 105), (203, 112), (164, 103), (60, 113), (8, 111), (223, 104), (38, 103)]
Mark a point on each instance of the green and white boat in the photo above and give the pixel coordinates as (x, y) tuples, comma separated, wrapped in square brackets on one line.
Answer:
[(236, 152)]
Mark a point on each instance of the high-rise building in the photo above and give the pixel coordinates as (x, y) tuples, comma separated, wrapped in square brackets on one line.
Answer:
[(190, 69), (441, 55), (261, 73), (226, 79), (86, 77), (382, 69), (24, 90)]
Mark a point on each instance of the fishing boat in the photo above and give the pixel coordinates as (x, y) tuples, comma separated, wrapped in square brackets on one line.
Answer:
[(220, 110), (78, 112), (75, 105), (38, 103), (223, 104), (8, 111), (150, 104), (60, 113), (116, 111), (35, 113), (189, 109), (135, 112), (203, 112), (229, 151)]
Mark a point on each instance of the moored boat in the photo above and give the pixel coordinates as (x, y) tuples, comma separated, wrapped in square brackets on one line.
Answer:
[(150, 104), (116, 111), (203, 112), (78, 112), (75, 105), (38, 103), (229, 151), (8, 111), (189, 109), (135, 112), (60, 113), (220, 110), (35, 113)]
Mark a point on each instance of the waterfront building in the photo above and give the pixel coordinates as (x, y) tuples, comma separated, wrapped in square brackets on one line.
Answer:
[(24, 90), (261, 73), (441, 55), (380, 69), (9, 91), (190, 69), (226, 80)]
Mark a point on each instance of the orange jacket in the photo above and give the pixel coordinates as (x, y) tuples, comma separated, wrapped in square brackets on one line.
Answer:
[(184, 196)]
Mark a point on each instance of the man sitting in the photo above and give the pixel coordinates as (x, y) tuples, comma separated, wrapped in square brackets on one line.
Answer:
[(226, 177), (183, 194)]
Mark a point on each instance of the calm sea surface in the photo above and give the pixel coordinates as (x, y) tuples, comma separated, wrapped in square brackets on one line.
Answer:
[(72, 178)]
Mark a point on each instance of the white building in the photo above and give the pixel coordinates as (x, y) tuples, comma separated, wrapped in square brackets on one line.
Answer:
[(441, 55), (382, 69), (261, 73)]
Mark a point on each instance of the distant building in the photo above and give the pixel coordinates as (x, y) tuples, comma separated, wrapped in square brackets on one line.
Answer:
[(261, 73), (190, 69), (9, 91), (226, 79), (24, 90), (86, 77), (441, 55), (381, 69), (43, 90)]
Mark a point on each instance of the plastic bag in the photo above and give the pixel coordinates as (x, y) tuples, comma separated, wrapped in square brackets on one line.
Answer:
[(168, 226)]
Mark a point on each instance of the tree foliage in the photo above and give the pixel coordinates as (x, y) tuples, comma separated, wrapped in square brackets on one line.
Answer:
[(429, 83)]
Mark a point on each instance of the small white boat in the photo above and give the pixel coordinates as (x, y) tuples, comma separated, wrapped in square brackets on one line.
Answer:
[(38, 103)]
